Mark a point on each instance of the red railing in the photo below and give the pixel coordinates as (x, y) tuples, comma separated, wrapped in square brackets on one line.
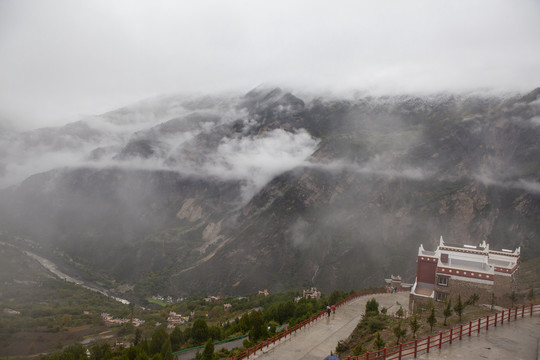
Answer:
[(417, 347), (283, 335)]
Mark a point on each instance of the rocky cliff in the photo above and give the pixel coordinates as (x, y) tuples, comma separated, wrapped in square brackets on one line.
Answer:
[(269, 190)]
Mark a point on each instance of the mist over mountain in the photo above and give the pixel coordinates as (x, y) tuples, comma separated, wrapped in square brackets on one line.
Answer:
[(274, 189)]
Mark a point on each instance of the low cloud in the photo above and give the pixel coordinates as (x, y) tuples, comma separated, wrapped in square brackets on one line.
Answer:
[(519, 184), (376, 166), (199, 143), (257, 159)]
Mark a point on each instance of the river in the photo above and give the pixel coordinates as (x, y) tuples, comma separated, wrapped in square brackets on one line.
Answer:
[(49, 265)]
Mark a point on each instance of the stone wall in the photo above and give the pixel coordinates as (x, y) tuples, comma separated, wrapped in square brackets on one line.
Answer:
[(466, 289)]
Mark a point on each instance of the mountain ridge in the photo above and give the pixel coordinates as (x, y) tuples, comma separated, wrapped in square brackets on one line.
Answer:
[(272, 191)]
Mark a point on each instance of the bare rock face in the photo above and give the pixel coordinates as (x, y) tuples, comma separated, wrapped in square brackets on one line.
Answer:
[(190, 211)]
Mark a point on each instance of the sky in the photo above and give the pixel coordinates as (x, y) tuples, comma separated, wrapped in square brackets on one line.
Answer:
[(61, 60)]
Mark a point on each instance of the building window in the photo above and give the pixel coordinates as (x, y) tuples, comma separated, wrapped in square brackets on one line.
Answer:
[(444, 258), (442, 280), (441, 296)]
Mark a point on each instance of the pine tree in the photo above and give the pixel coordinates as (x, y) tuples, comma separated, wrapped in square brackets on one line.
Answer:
[(459, 307), (399, 332), (208, 352), (200, 332), (159, 337), (432, 320), (177, 337), (166, 350), (415, 325), (448, 311), (138, 335), (358, 350), (379, 342)]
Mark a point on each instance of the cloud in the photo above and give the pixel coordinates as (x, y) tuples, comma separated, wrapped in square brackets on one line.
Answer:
[(378, 166), (258, 159), (64, 59), (162, 134), (518, 184)]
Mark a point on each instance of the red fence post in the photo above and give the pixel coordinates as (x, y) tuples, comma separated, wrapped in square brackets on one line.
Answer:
[(384, 353), (531, 309), (502, 317), (487, 323), (415, 347), (440, 339), (515, 313), (496, 319), (509, 313), (523, 310), (479, 320), (451, 334), (367, 355), (470, 327), (460, 331), (400, 347), (428, 339)]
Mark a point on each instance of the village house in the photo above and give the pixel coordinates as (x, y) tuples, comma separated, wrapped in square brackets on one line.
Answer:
[(175, 319), (264, 292), (311, 294), (11, 311), (211, 299), (464, 270), (227, 306), (109, 320)]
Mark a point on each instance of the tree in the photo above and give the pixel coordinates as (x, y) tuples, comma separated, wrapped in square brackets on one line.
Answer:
[(492, 303), (472, 299), (448, 311), (177, 337), (65, 320), (358, 350), (199, 332), (513, 298), (415, 325), (159, 337), (208, 352), (432, 320), (372, 307), (166, 350), (530, 295), (258, 327), (400, 313), (379, 342), (341, 347), (100, 352), (459, 307), (138, 334), (399, 332), (131, 311)]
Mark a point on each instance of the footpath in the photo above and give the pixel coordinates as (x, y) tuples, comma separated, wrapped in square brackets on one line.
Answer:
[(514, 340), (317, 340)]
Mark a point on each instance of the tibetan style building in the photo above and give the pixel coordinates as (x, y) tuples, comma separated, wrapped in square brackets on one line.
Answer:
[(453, 270)]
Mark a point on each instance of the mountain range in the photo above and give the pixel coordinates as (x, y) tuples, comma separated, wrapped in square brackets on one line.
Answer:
[(272, 189)]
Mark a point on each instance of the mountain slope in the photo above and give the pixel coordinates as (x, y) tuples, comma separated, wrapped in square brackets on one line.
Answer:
[(269, 190)]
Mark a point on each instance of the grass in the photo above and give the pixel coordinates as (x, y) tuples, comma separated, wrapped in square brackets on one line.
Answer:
[(157, 302)]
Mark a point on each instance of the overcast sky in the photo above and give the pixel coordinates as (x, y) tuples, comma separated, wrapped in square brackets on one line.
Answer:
[(60, 60)]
